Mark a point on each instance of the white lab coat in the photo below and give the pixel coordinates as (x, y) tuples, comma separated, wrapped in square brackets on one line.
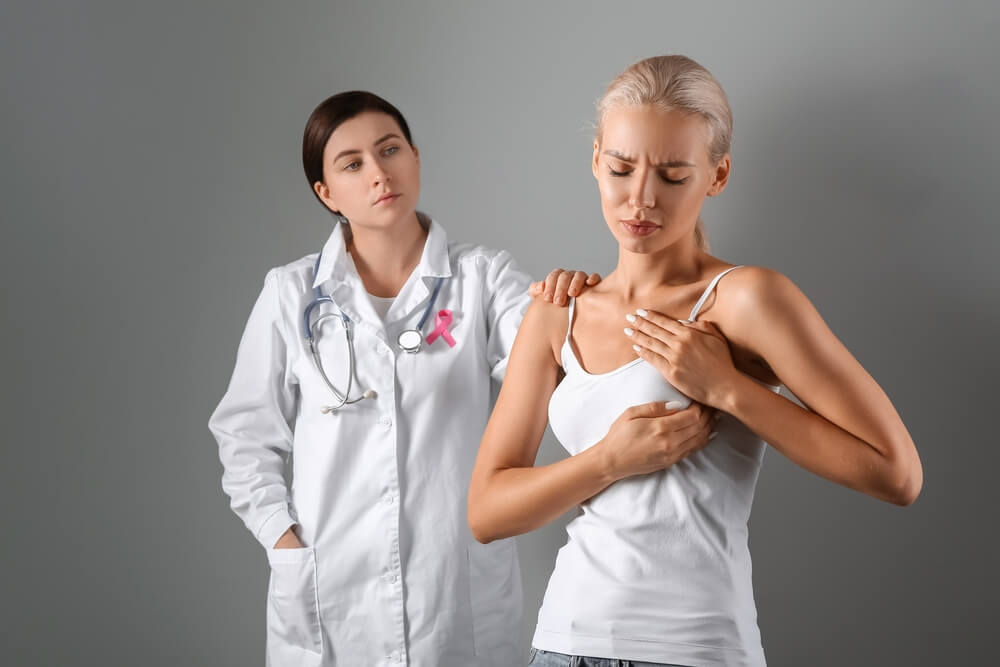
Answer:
[(391, 573)]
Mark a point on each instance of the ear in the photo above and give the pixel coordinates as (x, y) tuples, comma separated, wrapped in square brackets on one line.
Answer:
[(323, 192), (720, 176), (416, 153), (597, 157)]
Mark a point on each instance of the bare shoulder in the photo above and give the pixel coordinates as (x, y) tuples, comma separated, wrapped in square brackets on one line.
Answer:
[(545, 323), (755, 289), (756, 304)]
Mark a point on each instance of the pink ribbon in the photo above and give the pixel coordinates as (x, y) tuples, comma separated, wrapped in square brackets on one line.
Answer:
[(441, 323)]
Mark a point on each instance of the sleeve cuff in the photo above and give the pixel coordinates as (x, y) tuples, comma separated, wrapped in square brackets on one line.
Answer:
[(274, 527)]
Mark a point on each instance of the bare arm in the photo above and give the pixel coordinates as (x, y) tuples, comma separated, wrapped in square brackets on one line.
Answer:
[(851, 433), (507, 494)]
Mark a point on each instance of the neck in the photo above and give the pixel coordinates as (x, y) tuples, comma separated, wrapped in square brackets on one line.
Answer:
[(385, 258), (640, 276)]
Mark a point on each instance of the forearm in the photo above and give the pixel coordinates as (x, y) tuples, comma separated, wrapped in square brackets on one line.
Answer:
[(820, 446), (512, 501)]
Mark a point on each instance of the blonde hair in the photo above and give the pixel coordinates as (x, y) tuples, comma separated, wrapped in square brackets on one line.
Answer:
[(675, 83)]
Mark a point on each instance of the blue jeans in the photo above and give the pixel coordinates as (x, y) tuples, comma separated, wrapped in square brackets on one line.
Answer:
[(540, 658)]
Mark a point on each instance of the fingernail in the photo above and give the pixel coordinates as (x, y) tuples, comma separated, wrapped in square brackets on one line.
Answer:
[(630, 317), (642, 312), (637, 348), (559, 299), (628, 332), (684, 321), (673, 405), (711, 436)]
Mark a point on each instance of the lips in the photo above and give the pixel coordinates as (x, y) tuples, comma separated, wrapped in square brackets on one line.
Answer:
[(386, 199), (640, 227)]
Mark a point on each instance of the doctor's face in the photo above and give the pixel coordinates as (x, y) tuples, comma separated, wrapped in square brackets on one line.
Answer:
[(371, 174), (654, 172)]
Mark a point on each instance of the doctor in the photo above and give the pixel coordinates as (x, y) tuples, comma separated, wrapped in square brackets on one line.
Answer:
[(366, 370)]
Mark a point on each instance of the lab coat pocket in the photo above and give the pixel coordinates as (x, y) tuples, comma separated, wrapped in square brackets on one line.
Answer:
[(293, 602)]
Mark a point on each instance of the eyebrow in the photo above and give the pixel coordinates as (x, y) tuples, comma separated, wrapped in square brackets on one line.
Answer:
[(350, 151), (672, 163)]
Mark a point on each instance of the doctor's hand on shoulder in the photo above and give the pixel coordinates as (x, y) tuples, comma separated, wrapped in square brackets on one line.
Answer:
[(560, 284)]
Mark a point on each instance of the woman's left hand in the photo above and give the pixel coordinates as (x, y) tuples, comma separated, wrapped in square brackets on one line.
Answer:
[(692, 356)]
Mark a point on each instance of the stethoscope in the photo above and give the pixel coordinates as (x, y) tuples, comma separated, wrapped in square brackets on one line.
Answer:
[(410, 341)]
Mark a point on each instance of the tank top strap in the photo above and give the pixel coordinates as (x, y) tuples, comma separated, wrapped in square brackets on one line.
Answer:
[(708, 291), (569, 327)]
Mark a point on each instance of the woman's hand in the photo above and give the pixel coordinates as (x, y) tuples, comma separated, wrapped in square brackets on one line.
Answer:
[(692, 356), (289, 540), (560, 284), (653, 436)]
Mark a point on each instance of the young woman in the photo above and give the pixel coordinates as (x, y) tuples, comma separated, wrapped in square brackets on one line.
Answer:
[(661, 382), (369, 365)]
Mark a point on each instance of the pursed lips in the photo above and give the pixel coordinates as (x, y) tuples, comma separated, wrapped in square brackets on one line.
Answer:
[(386, 198)]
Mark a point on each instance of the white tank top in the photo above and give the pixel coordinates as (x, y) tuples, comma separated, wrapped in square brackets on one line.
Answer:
[(656, 567)]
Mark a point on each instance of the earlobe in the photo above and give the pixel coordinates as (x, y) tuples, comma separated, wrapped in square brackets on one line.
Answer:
[(597, 157), (323, 192)]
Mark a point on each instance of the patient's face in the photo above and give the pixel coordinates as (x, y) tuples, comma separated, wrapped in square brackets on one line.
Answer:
[(654, 172)]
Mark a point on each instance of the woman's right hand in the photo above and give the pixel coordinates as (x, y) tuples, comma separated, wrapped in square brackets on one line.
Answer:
[(650, 437), (289, 540)]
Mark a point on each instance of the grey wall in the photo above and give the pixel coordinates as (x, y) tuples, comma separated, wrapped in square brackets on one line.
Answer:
[(150, 175)]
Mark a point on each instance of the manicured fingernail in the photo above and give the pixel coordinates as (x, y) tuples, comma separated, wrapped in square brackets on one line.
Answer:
[(684, 321), (559, 299), (637, 348), (642, 312), (673, 405), (630, 317), (711, 436), (628, 332)]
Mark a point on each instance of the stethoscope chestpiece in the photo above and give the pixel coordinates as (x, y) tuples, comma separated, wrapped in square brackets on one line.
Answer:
[(410, 341)]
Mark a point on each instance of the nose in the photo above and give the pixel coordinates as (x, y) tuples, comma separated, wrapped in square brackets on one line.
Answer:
[(380, 176), (642, 194)]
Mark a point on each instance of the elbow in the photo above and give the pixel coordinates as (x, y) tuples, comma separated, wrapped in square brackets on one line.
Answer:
[(478, 524), (907, 492), (481, 535), (906, 482)]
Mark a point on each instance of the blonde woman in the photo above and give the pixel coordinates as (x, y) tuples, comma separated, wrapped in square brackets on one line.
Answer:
[(661, 382)]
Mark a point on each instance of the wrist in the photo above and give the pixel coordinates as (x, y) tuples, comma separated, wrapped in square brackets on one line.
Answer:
[(603, 463), (726, 395)]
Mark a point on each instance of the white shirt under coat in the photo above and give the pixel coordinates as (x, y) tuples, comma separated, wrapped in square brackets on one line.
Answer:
[(391, 573)]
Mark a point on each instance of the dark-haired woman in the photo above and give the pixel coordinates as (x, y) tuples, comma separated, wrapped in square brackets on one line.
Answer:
[(368, 366)]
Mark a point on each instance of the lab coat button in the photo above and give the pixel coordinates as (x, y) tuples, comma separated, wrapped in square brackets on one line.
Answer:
[(385, 421)]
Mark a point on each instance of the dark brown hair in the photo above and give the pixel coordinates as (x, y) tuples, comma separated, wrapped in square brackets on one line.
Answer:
[(328, 116)]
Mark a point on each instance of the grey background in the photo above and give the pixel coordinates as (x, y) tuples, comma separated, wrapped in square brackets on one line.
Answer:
[(150, 176)]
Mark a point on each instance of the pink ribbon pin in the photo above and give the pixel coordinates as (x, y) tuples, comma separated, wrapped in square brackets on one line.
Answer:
[(441, 323)]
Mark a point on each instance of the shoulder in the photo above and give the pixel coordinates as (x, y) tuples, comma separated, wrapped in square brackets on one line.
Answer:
[(756, 289), (756, 303), (494, 270), (545, 324), (296, 275), (480, 257)]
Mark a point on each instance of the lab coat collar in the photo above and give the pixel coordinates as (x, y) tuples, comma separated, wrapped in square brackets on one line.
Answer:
[(337, 262)]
